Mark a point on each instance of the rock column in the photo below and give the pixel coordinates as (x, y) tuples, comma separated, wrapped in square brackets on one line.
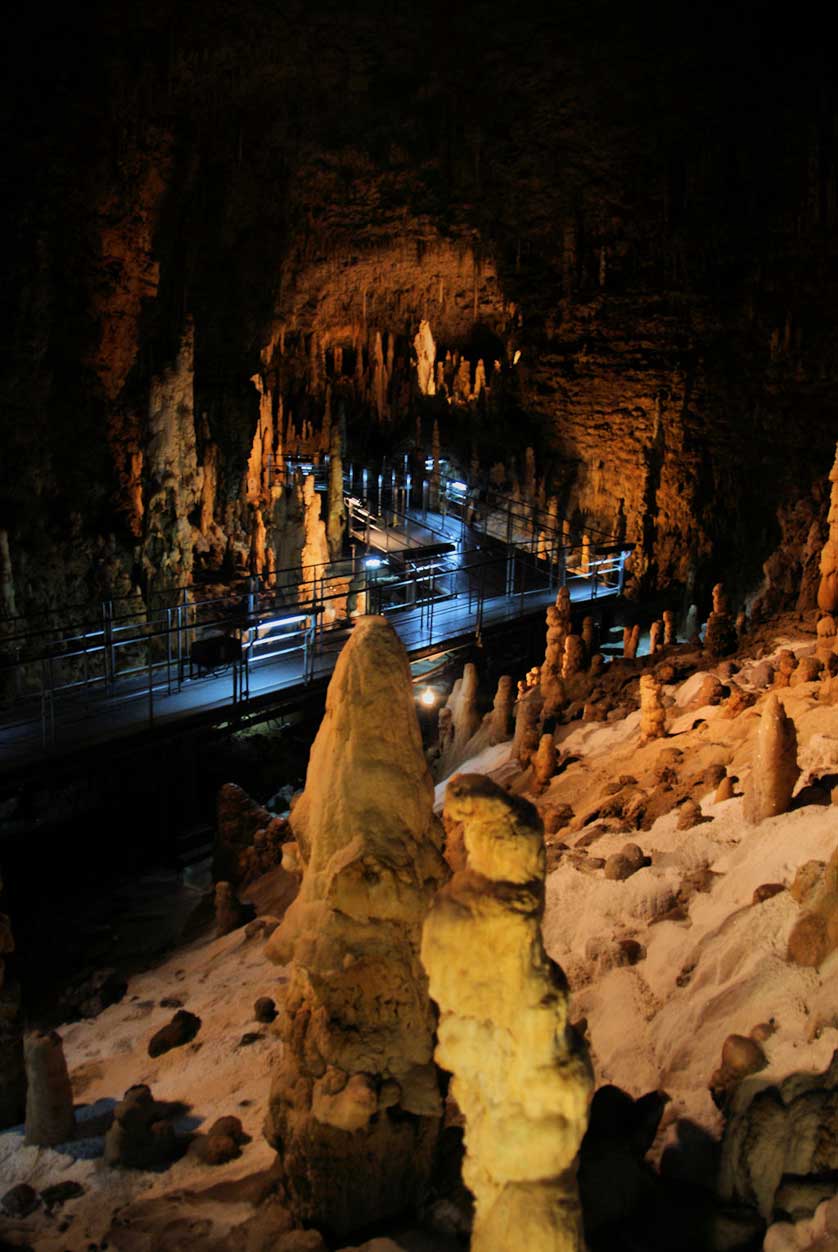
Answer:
[(354, 1105), (520, 1074)]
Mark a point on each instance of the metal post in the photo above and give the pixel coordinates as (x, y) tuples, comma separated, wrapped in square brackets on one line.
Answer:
[(425, 498), (169, 650), (380, 479), (107, 640)]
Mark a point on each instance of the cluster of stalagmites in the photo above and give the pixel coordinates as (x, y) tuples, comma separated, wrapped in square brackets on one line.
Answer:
[(520, 1074), (355, 1103)]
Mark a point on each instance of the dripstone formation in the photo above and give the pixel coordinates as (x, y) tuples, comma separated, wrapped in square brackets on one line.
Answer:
[(520, 1073), (354, 1103), (775, 770)]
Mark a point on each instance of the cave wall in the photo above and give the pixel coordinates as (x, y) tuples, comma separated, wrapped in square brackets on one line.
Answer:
[(225, 224)]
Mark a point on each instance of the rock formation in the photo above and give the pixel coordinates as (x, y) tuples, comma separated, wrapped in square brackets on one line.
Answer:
[(336, 510), (544, 763), (49, 1096), (528, 712), (828, 587), (815, 933), (500, 718), (631, 641), (558, 629), (140, 1136), (669, 636), (520, 1074), (652, 711), (459, 721), (720, 635), (354, 1103), (786, 1132), (655, 636), (774, 770), (574, 660)]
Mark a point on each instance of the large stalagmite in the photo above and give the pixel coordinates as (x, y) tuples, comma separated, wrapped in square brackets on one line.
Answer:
[(354, 1105), (521, 1077)]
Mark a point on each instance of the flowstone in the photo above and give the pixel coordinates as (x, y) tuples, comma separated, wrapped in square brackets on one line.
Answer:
[(521, 1076), (354, 1105)]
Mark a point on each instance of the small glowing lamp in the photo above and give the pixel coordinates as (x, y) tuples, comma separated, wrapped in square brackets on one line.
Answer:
[(517, 356), (373, 562), (428, 698)]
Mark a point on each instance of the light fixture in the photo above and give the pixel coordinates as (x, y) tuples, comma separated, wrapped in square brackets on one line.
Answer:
[(459, 487), (428, 698), (373, 562)]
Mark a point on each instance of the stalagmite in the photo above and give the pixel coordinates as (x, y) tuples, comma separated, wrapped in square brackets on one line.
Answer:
[(528, 712), (652, 712), (574, 660), (335, 509), (588, 637), (315, 553), (354, 1104), (655, 633), (669, 636), (425, 349), (520, 1074), (775, 770), (585, 560), (828, 588), (500, 718), (462, 722), (544, 763), (631, 641), (558, 628), (49, 1096), (720, 635)]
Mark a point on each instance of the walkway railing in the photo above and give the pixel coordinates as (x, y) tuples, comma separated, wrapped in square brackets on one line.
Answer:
[(128, 669)]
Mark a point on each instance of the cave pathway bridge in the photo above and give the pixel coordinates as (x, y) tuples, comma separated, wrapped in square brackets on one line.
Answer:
[(442, 575)]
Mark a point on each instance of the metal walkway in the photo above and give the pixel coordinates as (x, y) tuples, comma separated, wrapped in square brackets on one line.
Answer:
[(437, 575)]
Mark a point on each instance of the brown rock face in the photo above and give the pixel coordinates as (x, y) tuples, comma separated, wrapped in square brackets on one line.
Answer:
[(775, 770), (354, 1104), (12, 1072), (828, 587), (520, 1075)]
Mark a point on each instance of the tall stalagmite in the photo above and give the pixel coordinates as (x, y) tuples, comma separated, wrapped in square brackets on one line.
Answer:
[(775, 770), (828, 589), (520, 1074), (558, 629), (354, 1104)]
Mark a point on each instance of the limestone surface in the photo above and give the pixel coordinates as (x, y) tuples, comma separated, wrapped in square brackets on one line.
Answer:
[(520, 1074), (355, 1105)]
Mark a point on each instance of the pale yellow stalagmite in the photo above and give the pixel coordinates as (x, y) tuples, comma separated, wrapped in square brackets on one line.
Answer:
[(574, 660), (521, 1077), (354, 1105), (544, 763), (631, 640), (775, 770), (828, 588)]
